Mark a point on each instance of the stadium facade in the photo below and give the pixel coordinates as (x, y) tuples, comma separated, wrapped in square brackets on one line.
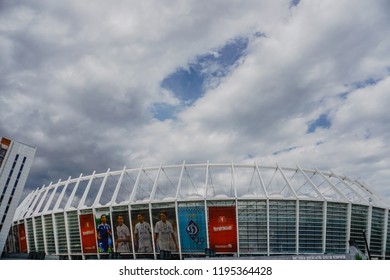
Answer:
[(240, 210)]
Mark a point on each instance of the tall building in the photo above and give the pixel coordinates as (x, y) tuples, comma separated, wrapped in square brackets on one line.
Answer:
[(15, 162)]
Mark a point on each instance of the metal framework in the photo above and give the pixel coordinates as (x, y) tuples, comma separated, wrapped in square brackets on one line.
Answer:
[(279, 210)]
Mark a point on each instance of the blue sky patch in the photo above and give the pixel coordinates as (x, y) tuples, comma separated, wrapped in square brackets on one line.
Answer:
[(344, 95), (163, 111), (285, 150), (366, 83), (189, 84), (294, 3), (323, 121)]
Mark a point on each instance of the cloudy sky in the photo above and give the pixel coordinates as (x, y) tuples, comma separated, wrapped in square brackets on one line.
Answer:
[(104, 84)]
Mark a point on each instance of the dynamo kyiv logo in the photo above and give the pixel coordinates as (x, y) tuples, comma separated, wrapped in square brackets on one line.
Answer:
[(192, 230)]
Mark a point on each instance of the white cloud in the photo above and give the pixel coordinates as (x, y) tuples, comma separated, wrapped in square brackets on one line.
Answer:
[(79, 81)]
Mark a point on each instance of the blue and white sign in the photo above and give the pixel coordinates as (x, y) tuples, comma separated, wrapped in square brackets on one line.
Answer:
[(192, 226)]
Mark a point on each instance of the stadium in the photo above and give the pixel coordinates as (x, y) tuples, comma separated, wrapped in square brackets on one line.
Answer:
[(212, 210)]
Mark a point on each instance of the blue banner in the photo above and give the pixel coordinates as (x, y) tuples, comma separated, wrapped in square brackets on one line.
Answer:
[(192, 226)]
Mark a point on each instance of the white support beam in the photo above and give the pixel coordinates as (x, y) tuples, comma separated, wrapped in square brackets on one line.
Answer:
[(178, 230), (24, 206), (136, 185), (35, 233), (311, 183), (350, 188), (237, 231), (268, 231), (152, 228), (86, 191), (45, 191), (207, 180), (44, 235), (287, 181), (180, 180), (349, 221), (118, 185), (48, 203), (369, 225), (55, 232), (67, 233), (333, 186), (234, 183), (151, 198), (101, 189), (72, 195), (35, 201), (61, 196), (324, 224), (261, 181)]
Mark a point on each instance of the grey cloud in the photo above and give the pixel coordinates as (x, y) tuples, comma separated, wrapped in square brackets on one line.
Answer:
[(78, 81)]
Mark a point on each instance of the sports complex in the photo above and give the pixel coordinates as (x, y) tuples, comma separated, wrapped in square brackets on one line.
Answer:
[(219, 210)]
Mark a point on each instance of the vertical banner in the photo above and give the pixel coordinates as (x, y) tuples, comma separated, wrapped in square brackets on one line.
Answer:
[(142, 231), (165, 229), (104, 230), (222, 228), (88, 233), (22, 238), (122, 234), (192, 227)]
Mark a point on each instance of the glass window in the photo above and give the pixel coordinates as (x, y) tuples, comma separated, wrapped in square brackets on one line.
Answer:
[(377, 229), (388, 235), (310, 226), (282, 226), (336, 228), (39, 234), (252, 226), (49, 233), (359, 225), (74, 232), (30, 235), (61, 234)]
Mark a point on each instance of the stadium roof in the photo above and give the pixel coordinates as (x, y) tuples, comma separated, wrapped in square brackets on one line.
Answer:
[(207, 181)]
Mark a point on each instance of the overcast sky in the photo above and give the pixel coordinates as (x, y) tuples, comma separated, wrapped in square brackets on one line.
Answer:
[(104, 84)]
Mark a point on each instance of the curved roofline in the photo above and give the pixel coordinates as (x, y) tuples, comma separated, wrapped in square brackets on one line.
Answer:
[(196, 181)]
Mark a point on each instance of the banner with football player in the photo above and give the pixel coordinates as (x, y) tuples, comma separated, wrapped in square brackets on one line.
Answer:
[(104, 230), (122, 235)]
